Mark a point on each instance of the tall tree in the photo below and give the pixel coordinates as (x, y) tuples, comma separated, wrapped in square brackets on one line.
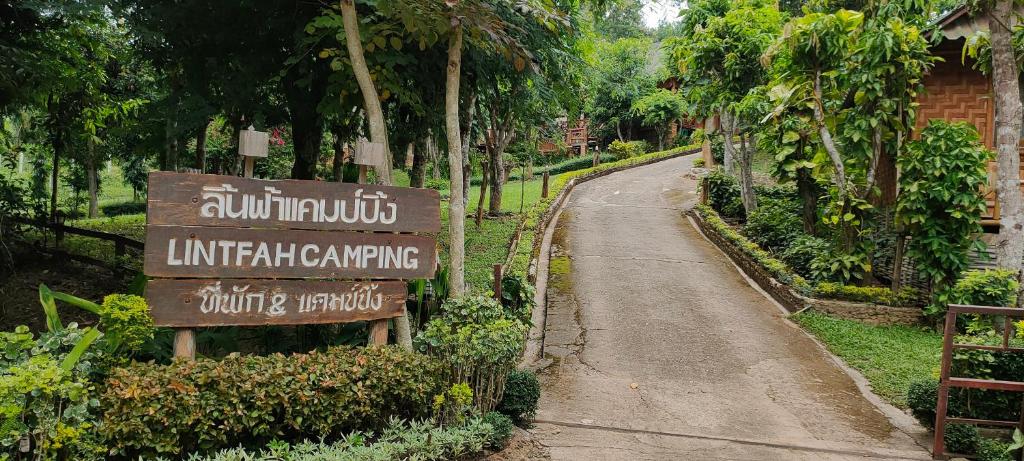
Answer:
[(1006, 88)]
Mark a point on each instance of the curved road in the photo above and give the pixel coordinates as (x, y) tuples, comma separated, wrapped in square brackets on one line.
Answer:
[(662, 350)]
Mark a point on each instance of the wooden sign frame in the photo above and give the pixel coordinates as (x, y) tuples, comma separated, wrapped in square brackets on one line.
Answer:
[(240, 251)]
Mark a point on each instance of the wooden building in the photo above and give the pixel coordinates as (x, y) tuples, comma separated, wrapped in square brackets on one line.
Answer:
[(956, 91)]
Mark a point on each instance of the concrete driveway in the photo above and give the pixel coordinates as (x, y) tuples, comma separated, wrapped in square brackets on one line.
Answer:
[(662, 350)]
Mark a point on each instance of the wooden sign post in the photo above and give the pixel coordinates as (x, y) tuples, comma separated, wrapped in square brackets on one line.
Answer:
[(241, 251)]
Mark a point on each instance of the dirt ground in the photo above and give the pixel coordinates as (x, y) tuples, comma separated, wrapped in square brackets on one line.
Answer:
[(19, 289)]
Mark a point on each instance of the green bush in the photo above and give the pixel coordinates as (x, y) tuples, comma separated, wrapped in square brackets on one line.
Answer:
[(698, 162), (940, 203), (724, 194), (517, 297), (207, 404), (45, 394), (501, 429), (775, 224), (962, 438), (623, 150), (479, 341), (522, 393), (436, 183), (778, 269), (802, 251), (993, 450), (123, 208), (399, 440), (876, 295), (989, 287), (922, 397)]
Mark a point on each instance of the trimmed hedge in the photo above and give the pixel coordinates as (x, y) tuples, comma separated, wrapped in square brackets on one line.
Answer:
[(123, 208), (907, 297), (250, 400), (778, 269), (571, 164)]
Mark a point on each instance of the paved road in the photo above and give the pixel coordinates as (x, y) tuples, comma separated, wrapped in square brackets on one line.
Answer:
[(663, 351)]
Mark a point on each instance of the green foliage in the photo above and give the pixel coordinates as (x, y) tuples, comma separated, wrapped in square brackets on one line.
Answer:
[(623, 150), (619, 79), (658, 109), (152, 409), (419, 440), (838, 265), (802, 251), (126, 322), (480, 341), (724, 194), (45, 395), (522, 393), (517, 297), (501, 432), (454, 405), (987, 287), (961, 438), (876, 295), (922, 398), (123, 208), (994, 450), (698, 163), (940, 201), (436, 183), (778, 269), (775, 224)]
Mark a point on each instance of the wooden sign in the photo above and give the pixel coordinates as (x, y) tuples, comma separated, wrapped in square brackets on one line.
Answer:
[(230, 201), (211, 252), (369, 153), (204, 303), (252, 143)]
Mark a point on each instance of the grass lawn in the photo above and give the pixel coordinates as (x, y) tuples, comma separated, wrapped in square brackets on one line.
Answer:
[(889, 356)]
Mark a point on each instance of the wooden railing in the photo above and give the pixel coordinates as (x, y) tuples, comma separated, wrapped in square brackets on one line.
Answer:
[(947, 381), (121, 243)]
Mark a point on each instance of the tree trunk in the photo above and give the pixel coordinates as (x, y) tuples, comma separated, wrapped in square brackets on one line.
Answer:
[(729, 131), (378, 130), (618, 130), (374, 112), (746, 174), (418, 171), (1005, 86), (307, 123), (307, 135), (201, 146), (497, 168), (456, 207), (809, 213), (338, 164), (467, 144), (90, 175), (661, 139), (826, 140), (483, 194), (170, 159)]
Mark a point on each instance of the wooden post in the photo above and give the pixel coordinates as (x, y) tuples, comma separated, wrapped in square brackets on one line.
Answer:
[(362, 174), (939, 446), (378, 328), (250, 166), (497, 281), (704, 191), (185, 343), (544, 186)]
